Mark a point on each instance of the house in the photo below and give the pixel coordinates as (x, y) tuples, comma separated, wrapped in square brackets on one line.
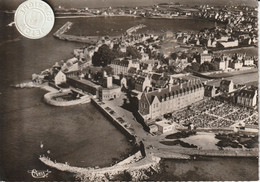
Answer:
[(210, 91), (158, 102), (123, 82), (247, 98), (226, 86), (142, 83), (59, 78), (222, 62), (73, 67), (236, 64), (205, 57), (123, 66), (132, 71), (159, 80), (222, 65), (248, 61)]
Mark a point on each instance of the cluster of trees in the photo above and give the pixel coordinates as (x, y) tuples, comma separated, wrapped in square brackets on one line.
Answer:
[(207, 66), (99, 74), (105, 55)]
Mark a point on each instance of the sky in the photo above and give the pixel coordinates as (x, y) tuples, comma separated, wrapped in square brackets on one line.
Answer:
[(13, 4)]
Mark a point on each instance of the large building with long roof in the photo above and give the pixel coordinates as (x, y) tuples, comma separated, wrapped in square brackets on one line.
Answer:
[(156, 103)]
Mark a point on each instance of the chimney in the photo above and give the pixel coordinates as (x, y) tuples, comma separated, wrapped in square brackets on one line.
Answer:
[(104, 74), (170, 88), (181, 85)]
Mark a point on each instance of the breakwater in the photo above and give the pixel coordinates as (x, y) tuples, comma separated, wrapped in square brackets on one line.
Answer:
[(136, 166), (126, 131)]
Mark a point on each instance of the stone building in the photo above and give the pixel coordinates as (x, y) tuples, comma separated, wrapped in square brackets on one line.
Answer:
[(142, 83), (60, 78), (226, 86), (122, 66), (247, 98), (156, 103)]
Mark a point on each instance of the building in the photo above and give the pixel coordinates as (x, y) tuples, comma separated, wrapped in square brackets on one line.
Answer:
[(205, 57), (84, 85), (164, 126), (153, 128), (142, 83), (107, 81), (222, 65), (108, 89), (109, 93), (236, 64), (227, 44), (122, 66), (156, 103), (249, 61), (210, 91), (123, 82), (226, 86), (59, 78), (247, 98), (223, 62)]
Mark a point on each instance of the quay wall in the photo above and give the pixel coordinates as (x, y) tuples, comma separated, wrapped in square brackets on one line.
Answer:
[(114, 121), (220, 153), (48, 98)]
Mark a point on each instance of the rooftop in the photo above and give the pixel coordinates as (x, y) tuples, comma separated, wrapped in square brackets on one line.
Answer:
[(84, 81)]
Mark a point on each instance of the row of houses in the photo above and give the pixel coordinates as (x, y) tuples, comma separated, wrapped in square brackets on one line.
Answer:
[(224, 62), (245, 96)]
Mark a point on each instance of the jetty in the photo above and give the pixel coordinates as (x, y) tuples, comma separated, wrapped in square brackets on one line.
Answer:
[(135, 28), (60, 34), (63, 29)]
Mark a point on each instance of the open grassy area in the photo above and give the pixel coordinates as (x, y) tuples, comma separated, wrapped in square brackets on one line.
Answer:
[(250, 51), (246, 78)]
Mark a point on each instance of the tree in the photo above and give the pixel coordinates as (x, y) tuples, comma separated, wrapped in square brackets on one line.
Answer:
[(204, 67), (103, 56), (108, 69), (133, 52), (174, 56), (208, 66), (171, 69), (194, 67)]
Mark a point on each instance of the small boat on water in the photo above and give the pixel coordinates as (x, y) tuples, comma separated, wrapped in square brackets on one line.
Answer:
[(11, 24), (39, 173), (41, 145)]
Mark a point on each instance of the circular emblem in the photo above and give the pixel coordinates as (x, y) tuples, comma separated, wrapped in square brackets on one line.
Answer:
[(34, 19)]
